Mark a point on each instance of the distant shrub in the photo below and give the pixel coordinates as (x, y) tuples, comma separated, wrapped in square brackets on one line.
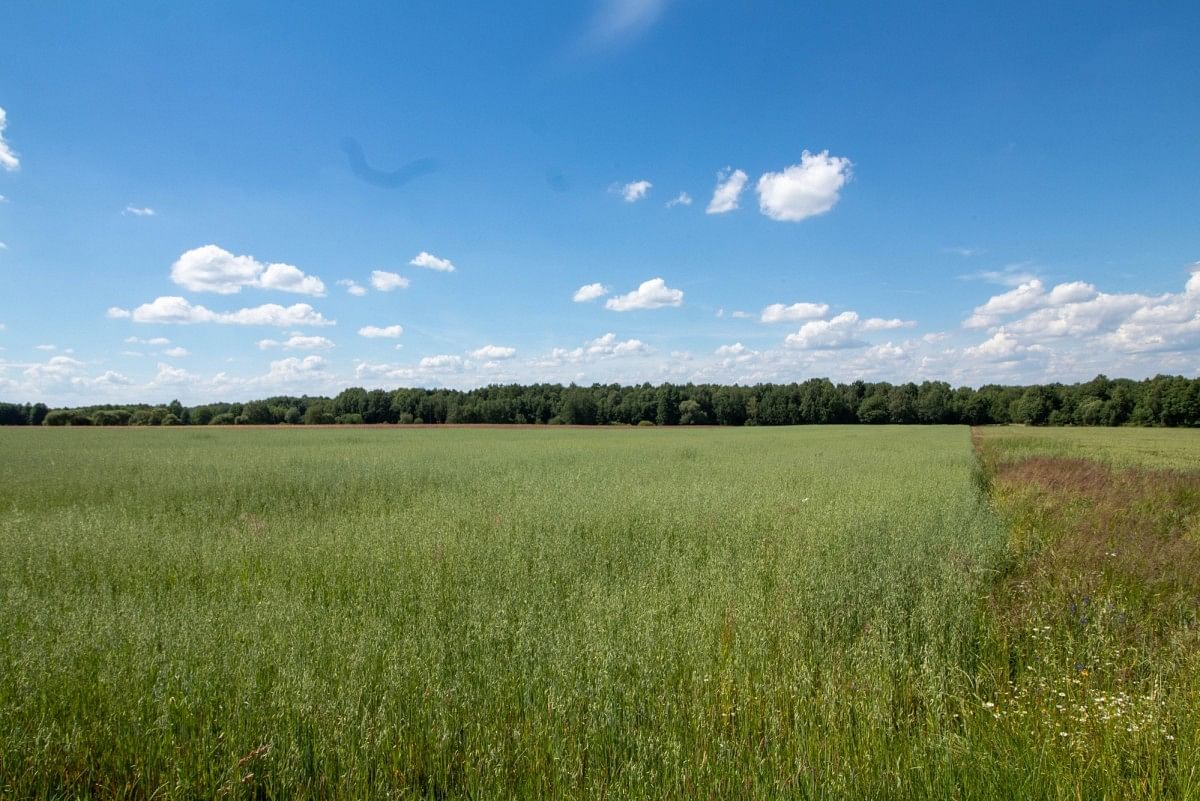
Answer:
[(645, 422), (406, 418), (223, 419), (353, 419)]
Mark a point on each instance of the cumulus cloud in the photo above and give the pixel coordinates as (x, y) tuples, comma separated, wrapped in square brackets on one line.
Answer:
[(602, 347), (117, 313), (493, 353), (589, 292), (174, 309), (880, 324), (432, 262), (176, 352), (1001, 346), (443, 362), (54, 369), (214, 269), (286, 278), (803, 190), (833, 334), (8, 159), (377, 332), (386, 282), (297, 342), (652, 294), (1028, 295), (777, 312), (635, 190), (730, 183), (682, 199), (295, 369), (156, 341), (138, 211), (735, 355), (353, 287)]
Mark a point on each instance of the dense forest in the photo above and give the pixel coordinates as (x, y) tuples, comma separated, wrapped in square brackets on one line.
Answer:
[(1159, 401)]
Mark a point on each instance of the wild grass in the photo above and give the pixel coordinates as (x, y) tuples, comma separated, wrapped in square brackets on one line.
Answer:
[(751, 613), (1153, 448)]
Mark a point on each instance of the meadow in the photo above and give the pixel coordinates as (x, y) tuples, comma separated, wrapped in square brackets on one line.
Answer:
[(810, 612)]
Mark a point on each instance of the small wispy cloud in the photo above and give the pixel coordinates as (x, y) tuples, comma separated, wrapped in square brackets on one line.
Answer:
[(632, 191), (8, 159), (432, 262), (353, 287), (1015, 274), (138, 211), (682, 199), (960, 251), (730, 183), (618, 21)]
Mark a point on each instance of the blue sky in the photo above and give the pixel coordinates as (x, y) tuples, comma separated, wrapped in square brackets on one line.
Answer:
[(877, 191)]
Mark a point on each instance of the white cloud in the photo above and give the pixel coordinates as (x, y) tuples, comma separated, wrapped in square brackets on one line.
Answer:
[(176, 352), (174, 309), (353, 287), (294, 369), (961, 251), (297, 342), (730, 184), (214, 269), (879, 324), (885, 351), (156, 341), (441, 362), (742, 315), (735, 354), (1002, 346), (117, 313), (432, 262), (1026, 296), (635, 190), (286, 278), (45, 347), (589, 292), (107, 379), (1008, 275), (55, 369), (803, 190), (602, 347), (652, 294), (493, 353), (376, 332), (622, 20), (138, 211), (777, 312), (682, 199), (834, 334), (3, 246), (8, 159), (386, 282)]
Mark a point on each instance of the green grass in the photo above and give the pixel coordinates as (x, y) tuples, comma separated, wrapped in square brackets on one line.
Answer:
[(1156, 448), (750, 613)]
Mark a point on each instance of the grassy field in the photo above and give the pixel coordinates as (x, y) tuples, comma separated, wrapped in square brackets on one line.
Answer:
[(756, 613), (1155, 448)]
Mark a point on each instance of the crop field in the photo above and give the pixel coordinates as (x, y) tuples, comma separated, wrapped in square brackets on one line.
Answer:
[(808, 612)]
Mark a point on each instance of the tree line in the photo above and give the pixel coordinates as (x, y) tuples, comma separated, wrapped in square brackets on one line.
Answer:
[(1159, 401)]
